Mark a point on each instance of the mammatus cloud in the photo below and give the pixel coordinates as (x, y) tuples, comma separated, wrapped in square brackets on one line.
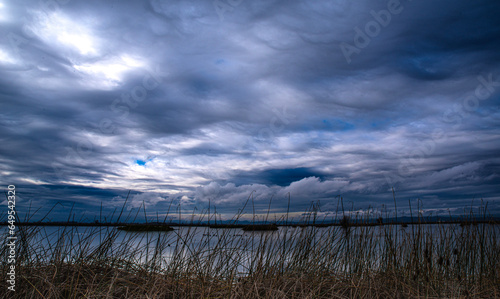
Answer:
[(190, 103)]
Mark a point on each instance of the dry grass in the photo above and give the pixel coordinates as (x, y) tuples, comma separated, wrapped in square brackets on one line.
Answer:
[(389, 261)]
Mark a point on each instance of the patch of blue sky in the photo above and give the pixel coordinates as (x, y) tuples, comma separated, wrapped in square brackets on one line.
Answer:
[(142, 162), (338, 125)]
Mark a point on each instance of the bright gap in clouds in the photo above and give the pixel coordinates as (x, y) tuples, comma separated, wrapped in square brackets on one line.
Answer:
[(109, 72), (3, 13), (80, 41), (6, 58), (70, 34)]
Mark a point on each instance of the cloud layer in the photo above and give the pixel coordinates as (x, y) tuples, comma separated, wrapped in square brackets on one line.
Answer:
[(189, 102)]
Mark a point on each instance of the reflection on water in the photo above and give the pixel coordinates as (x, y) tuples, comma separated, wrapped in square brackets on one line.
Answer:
[(342, 249)]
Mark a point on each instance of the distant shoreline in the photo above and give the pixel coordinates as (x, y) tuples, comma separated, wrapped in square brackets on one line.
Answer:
[(240, 225)]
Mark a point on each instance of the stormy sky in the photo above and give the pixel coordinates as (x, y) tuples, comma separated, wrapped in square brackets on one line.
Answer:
[(183, 103)]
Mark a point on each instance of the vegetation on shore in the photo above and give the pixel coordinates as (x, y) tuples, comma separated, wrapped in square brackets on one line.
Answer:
[(389, 261), (260, 227), (145, 228)]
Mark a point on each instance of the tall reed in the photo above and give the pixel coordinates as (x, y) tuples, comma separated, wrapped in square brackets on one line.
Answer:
[(343, 261)]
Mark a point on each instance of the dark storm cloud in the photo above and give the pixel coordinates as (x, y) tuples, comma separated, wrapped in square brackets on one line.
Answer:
[(280, 177), (185, 102)]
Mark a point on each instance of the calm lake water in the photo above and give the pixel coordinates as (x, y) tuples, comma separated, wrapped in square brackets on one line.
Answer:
[(233, 244)]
